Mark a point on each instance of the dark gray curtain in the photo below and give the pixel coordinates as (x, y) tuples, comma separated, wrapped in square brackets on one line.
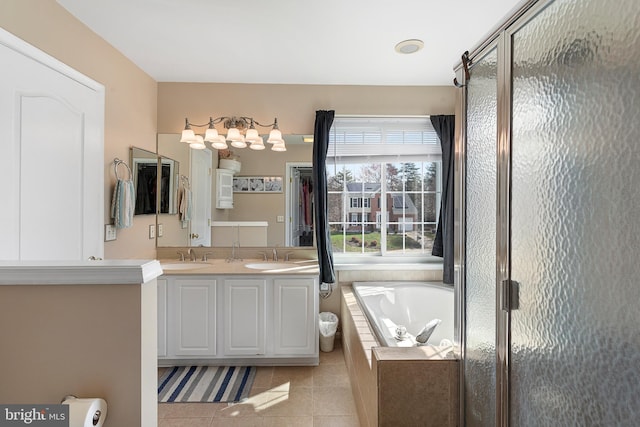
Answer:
[(443, 244), (324, 119)]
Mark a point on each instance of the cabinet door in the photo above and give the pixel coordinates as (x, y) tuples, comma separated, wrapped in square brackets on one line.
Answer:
[(162, 317), (295, 316), (224, 189), (192, 317), (244, 316)]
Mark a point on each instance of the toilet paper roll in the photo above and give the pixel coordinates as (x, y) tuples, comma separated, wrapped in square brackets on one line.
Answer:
[(90, 412)]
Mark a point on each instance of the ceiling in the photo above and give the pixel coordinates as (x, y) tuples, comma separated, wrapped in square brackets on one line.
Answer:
[(292, 41)]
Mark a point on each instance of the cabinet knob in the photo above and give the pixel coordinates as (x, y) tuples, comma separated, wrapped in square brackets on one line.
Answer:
[(194, 236)]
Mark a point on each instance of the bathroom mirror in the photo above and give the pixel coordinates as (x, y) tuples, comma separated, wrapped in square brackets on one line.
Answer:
[(276, 209), (144, 166), (146, 179)]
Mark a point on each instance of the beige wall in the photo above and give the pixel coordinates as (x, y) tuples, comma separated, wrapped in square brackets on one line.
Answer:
[(84, 340), (293, 105), (131, 96)]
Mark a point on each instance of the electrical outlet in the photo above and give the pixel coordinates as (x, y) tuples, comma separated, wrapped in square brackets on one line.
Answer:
[(160, 230), (152, 231), (280, 218), (109, 232)]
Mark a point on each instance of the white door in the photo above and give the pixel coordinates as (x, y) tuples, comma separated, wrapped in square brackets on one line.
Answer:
[(295, 310), (192, 318), (244, 316), (51, 146), (201, 162)]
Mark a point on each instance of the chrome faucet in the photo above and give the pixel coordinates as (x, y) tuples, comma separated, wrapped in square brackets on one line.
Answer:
[(192, 254), (206, 255), (181, 255), (275, 254)]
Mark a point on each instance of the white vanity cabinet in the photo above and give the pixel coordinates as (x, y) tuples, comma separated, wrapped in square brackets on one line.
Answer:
[(191, 327), (224, 189), (245, 318), (239, 319)]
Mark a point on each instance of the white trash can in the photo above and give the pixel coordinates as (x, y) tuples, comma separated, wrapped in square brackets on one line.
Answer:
[(328, 328)]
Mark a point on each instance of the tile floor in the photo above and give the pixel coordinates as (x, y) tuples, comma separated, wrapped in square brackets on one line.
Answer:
[(281, 396)]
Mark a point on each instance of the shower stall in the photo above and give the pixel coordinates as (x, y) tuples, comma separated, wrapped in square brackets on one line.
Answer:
[(548, 218)]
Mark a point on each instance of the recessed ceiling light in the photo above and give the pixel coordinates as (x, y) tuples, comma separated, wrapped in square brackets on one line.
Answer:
[(409, 46)]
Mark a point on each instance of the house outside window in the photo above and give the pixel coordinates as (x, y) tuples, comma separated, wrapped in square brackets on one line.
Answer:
[(384, 185)]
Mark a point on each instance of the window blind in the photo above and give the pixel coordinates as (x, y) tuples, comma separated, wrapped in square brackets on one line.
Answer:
[(385, 139)]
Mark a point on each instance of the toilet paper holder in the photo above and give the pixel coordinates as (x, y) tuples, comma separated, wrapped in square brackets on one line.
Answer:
[(96, 415)]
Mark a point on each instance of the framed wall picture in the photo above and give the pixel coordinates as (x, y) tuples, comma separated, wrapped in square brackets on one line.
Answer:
[(257, 184)]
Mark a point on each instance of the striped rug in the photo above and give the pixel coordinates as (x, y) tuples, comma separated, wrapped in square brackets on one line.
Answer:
[(206, 384)]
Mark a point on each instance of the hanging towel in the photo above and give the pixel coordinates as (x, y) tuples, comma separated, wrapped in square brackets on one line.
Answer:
[(123, 203), (185, 204)]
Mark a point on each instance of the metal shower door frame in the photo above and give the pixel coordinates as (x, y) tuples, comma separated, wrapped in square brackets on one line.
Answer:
[(501, 37)]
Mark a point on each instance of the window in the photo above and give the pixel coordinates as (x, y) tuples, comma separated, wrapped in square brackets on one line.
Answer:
[(359, 202), (384, 185)]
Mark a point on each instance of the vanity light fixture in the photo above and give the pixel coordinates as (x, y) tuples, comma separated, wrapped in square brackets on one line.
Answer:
[(235, 126)]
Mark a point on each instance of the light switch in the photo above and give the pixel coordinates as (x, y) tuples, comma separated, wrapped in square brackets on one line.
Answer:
[(280, 218), (159, 230), (152, 231), (109, 232)]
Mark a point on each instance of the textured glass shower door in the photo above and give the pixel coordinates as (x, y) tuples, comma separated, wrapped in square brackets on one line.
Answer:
[(575, 215), (480, 242)]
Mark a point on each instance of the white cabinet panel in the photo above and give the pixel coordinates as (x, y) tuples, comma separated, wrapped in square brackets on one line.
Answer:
[(244, 316), (162, 317), (192, 317), (295, 316)]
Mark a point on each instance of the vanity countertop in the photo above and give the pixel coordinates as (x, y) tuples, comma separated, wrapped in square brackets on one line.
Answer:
[(237, 267)]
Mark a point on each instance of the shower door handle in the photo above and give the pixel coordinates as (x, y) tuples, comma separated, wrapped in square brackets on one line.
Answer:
[(509, 295)]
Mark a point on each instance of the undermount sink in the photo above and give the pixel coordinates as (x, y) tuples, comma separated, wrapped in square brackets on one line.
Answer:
[(184, 265), (269, 265)]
